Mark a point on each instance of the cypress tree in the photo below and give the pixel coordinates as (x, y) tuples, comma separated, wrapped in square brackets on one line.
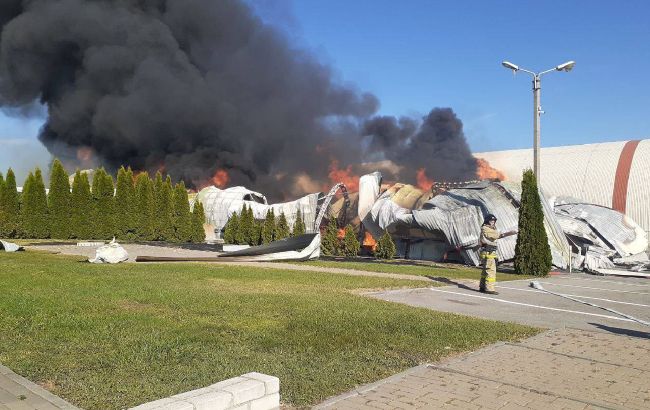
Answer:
[(385, 247), (81, 207), (268, 228), (299, 225), (198, 219), (125, 205), (59, 202), (532, 252), (35, 220), (282, 228), (231, 229), (144, 207), (330, 240), (9, 207), (351, 245), (259, 226), (242, 227), (103, 205), (163, 204), (182, 219)]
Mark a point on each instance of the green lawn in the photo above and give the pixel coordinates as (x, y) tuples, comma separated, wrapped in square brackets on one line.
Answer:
[(448, 271), (109, 337)]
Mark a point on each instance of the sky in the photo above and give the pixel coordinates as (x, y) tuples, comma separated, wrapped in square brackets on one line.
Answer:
[(415, 55)]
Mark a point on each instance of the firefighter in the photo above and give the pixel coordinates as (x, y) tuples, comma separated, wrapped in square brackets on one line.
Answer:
[(489, 237)]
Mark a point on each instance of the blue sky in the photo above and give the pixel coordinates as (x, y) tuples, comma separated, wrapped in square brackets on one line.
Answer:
[(417, 54)]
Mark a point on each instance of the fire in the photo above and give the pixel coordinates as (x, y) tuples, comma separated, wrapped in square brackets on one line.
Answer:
[(369, 241), (346, 176), (221, 178), (485, 171), (85, 155), (341, 233), (423, 182)]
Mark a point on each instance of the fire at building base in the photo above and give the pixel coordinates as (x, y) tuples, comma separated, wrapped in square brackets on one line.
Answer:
[(443, 223)]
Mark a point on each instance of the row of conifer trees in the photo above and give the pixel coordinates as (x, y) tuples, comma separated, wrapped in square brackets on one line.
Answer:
[(244, 229), (137, 208)]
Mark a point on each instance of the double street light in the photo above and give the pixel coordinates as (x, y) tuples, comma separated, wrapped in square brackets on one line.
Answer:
[(537, 109)]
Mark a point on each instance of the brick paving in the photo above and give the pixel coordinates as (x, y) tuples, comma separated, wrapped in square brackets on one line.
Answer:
[(558, 369)]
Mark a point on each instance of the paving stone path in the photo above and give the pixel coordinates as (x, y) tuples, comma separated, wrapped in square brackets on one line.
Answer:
[(558, 369)]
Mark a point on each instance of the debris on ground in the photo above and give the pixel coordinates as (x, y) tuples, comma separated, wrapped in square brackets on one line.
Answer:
[(111, 253), (10, 246)]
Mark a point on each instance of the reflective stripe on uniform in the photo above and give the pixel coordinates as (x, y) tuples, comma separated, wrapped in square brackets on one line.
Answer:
[(491, 279), (490, 255)]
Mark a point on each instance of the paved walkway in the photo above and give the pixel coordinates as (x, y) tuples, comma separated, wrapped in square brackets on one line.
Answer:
[(593, 358), (558, 369), (18, 393)]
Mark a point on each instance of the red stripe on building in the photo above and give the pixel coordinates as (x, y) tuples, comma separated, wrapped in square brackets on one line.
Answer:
[(619, 196)]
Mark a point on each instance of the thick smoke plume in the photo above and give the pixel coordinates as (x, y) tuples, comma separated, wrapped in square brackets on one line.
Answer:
[(199, 87)]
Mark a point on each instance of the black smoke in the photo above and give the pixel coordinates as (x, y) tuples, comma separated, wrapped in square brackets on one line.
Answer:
[(437, 144), (199, 85)]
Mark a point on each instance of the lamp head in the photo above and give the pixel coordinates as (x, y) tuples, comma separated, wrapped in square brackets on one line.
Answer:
[(509, 65), (568, 66)]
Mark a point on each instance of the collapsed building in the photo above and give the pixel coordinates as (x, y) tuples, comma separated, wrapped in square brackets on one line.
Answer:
[(446, 225)]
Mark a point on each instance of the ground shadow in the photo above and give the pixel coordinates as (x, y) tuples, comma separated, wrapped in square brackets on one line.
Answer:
[(452, 283), (622, 331)]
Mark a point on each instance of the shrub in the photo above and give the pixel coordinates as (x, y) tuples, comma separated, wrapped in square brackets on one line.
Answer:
[(385, 247), (104, 205), (163, 225), (351, 245), (125, 204), (330, 241), (144, 208), (532, 252)]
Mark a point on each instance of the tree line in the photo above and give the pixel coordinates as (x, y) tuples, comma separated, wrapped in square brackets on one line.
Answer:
[(349, 246), (136, 208), (244, 229)]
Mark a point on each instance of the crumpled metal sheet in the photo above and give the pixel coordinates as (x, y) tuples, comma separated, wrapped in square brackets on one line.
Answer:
[(10, 246), (614, 229)]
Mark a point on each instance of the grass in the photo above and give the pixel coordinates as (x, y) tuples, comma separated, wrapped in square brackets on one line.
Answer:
[(448, 271), (110, 337)]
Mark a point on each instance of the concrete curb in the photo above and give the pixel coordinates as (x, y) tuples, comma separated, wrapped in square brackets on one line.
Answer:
[(36, 389)]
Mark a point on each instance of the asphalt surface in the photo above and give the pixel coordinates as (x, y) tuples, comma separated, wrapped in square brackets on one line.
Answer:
[(518, 302)]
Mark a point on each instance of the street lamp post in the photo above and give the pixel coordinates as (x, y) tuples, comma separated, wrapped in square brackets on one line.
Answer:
[(537, 108)]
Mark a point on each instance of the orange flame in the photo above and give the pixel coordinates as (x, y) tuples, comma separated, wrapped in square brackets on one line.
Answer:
[(341, 233), (85, 155), (346, 176), (485, 171), (221, 178), (423, 182), (369, 241)]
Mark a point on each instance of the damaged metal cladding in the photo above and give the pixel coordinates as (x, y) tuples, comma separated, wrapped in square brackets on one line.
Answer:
[(437, 227)]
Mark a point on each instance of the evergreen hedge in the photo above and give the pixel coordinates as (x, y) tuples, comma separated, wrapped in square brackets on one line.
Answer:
[(9, 207), (268, 227), (103, 205), (231, 230), (532, 252), (125, 204)]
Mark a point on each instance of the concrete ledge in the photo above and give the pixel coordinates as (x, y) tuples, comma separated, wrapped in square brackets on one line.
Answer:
[(251, 391)]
